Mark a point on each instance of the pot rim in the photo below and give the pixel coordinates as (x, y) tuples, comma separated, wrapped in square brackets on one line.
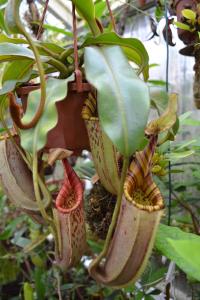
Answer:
[(72, 86)]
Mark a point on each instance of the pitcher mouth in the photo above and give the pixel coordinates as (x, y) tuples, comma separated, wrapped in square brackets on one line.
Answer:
[(147, 200)]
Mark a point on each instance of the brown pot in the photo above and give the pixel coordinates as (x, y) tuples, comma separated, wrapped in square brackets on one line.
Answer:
[(70, 131)]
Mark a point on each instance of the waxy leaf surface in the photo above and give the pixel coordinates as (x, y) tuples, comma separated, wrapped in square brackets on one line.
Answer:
[(15, 72), (10, 52), (123, 98)]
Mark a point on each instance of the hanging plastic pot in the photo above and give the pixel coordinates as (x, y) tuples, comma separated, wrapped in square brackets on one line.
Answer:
[(132, 242), (69, 217), (70, 131), (104, 153)]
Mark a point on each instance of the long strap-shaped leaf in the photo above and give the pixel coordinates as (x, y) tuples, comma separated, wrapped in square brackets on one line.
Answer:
[(69, 217), (16, 178), (103, 151), (140, 213)]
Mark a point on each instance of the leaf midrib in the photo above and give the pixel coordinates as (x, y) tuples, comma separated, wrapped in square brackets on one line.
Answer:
[(119, 103)]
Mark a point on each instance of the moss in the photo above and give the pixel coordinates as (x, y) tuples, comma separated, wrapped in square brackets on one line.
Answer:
[(100, 205)]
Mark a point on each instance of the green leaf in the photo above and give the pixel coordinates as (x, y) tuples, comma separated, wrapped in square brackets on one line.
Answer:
[(159, 13), (180, 247), (159, 100), (53, 47), (16, 72), (184, 117), (5, 39), (191, 122), (56, 90), (133, 48), (11, 227), (9, 267), (12, 19), (100, 8), (157, 82), (28, 291), (40, 283), (123, 98), (185, 144), (189, 14), (3, 2), (56, 29), (182, 26), (10, 52), (174, 156), (86, 9), (35, 243)]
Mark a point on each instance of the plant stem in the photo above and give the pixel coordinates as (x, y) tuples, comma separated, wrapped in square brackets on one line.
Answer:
[(94, 27), (115, 215), (43, 212), (59, 66), (40, 71), (46, 217), (65, 54), (47, 51)]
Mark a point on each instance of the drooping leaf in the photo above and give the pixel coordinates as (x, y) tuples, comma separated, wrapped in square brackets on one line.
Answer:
[(15, 72), (181, 247), (56, 90), (123, 98), (133, 48)]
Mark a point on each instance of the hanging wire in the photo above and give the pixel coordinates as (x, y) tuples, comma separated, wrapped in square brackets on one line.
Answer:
[(111, 15), (42, 20), (167, 90)]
